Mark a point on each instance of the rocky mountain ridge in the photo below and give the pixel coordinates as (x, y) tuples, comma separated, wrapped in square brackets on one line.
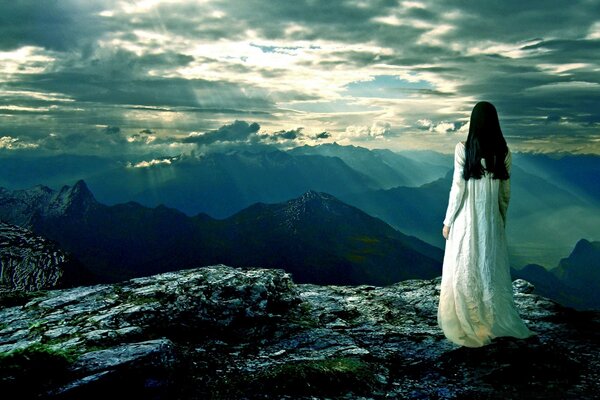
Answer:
[(542, 228), (24, 207), (317, 237), (223, 332)]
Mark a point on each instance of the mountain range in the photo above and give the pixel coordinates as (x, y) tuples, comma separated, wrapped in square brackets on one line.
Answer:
[(574, 282), (221, 184), (579, 174), (543, 219), (316, 237), (386, 168), (554, 201)]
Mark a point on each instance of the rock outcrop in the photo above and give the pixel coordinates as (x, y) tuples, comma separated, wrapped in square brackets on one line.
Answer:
[(222, 332), (30, 262)]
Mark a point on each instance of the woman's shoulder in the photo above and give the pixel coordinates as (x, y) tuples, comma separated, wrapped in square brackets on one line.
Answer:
[(459, 150)]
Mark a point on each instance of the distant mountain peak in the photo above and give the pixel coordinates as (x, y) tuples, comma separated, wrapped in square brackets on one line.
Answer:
[(76, 199), (582, 245), (80, 185), (580, 270), (314, 195), (41, 188), (26, 206), (311, 204), (584, 250), (312, 200)]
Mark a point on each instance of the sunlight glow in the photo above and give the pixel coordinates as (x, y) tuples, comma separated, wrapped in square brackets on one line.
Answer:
[(25, 60)]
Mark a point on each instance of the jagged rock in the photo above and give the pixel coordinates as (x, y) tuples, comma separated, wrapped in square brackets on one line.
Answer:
[(30, 262), (222, 332), (144, 363)]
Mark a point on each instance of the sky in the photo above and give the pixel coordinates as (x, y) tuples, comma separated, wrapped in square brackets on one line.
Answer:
[(173, 77)]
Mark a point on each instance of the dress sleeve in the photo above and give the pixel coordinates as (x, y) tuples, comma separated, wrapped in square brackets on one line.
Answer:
[(504, 189), (457, 189)]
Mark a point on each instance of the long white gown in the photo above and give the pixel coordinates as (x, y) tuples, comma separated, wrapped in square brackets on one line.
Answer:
[(476, 299)]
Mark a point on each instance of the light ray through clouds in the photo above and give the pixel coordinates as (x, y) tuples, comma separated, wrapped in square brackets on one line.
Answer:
[(382, 73)]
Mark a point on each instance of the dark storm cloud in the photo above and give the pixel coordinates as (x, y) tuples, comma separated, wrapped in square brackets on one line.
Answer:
[(55, 25), (112, 130), (243, 133), (235, 132), (553, 118), (142, 66), (192, 19), (92, 141), (121, 77), (292, 134), (515, 20), (322, 135), (323, 19)]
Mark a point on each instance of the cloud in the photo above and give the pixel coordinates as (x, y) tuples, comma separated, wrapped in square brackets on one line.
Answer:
[(57, 25), (241, 135), (442, 127), (553, 118), (235, 132), (151, 163), (161, 69), (141, 138), (283, 135), (322, 135), (12, 143), (377, 130), (112, 130)]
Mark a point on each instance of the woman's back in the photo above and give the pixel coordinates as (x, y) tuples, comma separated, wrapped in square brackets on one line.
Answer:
[(476, 300)]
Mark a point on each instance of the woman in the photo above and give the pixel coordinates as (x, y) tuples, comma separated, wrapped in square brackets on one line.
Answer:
[(476, 299)]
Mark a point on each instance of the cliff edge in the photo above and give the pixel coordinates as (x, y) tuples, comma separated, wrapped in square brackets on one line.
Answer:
[(223, 332)]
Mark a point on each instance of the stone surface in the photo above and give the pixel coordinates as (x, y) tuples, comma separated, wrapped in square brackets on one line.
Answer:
[(222, 332), (29, 262)]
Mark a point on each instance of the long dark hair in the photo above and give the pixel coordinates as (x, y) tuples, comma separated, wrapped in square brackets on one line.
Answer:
[(485, 141)]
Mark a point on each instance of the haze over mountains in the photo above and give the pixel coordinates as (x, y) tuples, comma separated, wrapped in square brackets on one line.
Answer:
[(554, 203), (386, 168), (316, 237), (544, 220), (273, 212), (574, 282)]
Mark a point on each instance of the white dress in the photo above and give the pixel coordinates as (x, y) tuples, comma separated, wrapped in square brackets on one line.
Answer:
[(476, 299)]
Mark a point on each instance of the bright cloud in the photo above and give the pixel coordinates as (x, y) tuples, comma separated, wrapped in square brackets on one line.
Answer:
[(151, 163), (12, 143)]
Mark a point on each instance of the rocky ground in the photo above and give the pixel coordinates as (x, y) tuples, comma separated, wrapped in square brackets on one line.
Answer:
[(28, 262), (222, 332)]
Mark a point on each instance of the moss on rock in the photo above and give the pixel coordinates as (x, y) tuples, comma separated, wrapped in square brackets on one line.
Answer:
[(32, 369)]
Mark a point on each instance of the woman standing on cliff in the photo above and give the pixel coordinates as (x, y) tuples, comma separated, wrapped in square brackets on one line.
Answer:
[(476, 298)]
